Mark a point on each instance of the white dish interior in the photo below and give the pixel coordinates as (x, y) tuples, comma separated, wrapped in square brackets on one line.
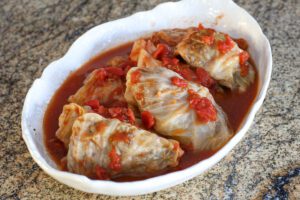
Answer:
[(222, 15)]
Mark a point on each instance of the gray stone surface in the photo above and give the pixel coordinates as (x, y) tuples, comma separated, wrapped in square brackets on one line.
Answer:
[(265, 164)]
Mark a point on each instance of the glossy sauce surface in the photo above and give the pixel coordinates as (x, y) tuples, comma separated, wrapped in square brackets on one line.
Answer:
[(236, 105)]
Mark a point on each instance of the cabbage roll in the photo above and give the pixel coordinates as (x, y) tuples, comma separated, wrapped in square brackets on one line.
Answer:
[(101, 86), (108, 148), (220, 56), (66, 119), (182, 110)]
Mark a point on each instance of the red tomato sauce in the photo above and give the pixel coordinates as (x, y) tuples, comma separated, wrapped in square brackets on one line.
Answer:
[(236, 105)]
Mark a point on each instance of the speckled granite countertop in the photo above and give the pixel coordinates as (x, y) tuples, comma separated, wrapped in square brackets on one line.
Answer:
[(265, 164)]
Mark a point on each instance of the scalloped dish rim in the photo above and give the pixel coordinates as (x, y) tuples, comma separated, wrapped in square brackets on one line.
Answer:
[(156, 183)]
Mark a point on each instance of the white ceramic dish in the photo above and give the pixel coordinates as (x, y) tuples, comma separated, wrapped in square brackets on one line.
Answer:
[(223, 15)]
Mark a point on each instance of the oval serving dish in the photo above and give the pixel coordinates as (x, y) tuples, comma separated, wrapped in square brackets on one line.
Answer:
[(222, 15)]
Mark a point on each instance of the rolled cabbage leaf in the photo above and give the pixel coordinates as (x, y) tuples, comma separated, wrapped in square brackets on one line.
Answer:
[(98, 87), (107, 148), (219, 55), (152, 89)]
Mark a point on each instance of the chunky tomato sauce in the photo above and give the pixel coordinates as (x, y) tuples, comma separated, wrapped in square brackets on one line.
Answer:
[(236, 105)]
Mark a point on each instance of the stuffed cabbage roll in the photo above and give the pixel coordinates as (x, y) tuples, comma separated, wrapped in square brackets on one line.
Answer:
[(219, 55), (182, 110), (107, 148), (103, 84), (66, 119)]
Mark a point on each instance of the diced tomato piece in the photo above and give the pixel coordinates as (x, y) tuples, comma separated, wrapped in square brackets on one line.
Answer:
[(209, 40), (135, 76), (101, 74), (147, 119), (174, 65), (178, 82), (115, 160), (96, 107), (94, 104), (123, 114), (101, 173), (162, 50), (200, 26), (244, 56), (204, 78), (206, 112), (192, 95), (203, 107), (187, 73), (208, 37), (225, 46), (117, 71)]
